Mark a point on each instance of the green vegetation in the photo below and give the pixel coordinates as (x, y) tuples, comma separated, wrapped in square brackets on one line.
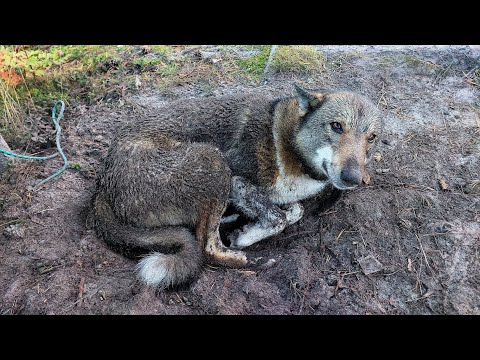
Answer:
[(254, 65), (11, 113), (287, 58), (76, 166), (298, 58), (32, 78), (421, 66), (35, 76)]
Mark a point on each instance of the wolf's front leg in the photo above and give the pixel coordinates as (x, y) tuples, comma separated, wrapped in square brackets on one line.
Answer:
[(269, 218)]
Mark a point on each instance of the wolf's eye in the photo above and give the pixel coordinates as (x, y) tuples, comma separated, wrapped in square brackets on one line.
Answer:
[(337, 127), (371, 138)]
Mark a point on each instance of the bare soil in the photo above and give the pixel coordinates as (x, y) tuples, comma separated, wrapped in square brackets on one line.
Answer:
[(407, 243)]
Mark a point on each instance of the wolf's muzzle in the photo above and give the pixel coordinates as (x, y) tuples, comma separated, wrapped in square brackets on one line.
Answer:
[(351, 174)]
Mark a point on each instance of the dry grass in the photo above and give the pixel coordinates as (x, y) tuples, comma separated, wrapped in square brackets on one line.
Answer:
[(473, 77), (421, 66), (12, 115), (298, 58)]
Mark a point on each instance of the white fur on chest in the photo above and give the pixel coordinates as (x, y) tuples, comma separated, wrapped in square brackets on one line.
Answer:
[(289, 189)]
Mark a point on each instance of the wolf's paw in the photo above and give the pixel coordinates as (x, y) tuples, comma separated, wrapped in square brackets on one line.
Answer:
[(229, 219), (294, 212), (229, 258), (233, 239)]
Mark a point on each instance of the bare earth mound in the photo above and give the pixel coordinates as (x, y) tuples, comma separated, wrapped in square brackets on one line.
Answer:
[(408, 243)]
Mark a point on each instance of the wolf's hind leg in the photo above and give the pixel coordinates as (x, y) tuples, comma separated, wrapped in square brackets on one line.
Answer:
[(269, 218), (208, 232)]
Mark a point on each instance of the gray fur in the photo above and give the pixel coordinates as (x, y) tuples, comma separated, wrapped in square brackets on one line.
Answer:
[(168, 178)]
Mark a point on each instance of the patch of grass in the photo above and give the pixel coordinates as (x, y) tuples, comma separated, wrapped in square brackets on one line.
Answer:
[(254, 65), (46, 73), (164, 50), (146, 64), (12, 115), (413, 62), (167, 69), (33, 77), (423, 66), (298, 58), (76, 166)]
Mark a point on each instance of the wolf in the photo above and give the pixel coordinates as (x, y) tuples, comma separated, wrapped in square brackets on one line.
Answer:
[(168, 177)]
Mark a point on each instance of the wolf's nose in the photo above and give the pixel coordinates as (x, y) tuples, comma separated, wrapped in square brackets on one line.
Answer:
[(351, 176)]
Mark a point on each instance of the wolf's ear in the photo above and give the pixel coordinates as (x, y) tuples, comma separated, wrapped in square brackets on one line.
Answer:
[(308, 100)]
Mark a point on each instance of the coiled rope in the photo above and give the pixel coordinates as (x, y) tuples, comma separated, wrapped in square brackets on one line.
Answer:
[(56, 120)]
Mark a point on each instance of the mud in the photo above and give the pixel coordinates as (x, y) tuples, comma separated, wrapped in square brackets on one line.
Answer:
[(408, 243)]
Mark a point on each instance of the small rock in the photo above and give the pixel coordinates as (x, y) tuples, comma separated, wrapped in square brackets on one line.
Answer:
[(443, 184), (370, 264), (268, 264), (186, 301), (15, 231), (409, 265), (443, 228), (138, 83), (207, 54)]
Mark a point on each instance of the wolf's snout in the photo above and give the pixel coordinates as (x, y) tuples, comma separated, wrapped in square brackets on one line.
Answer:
[(351, 174)]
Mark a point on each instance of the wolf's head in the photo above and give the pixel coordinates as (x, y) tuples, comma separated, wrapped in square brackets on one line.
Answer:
[(336, 135)]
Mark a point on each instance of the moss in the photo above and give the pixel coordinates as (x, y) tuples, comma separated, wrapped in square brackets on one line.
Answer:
[(254, 65), (164, 50), (298, 58)]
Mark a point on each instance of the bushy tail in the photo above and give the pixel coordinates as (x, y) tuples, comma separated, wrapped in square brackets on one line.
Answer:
[(174, 256)]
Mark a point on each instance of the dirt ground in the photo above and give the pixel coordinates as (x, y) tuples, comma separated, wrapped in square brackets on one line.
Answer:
[(408, 243)]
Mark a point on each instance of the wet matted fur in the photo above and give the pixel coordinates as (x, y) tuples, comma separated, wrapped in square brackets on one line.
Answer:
[(168, 178)]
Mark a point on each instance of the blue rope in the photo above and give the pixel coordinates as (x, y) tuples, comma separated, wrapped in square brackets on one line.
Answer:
[(56, 120)]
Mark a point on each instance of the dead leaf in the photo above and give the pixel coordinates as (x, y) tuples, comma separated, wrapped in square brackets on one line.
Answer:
[(370, 264), (409, 265), (247, 272), (366, 178), (443, 184), (377, 156)]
